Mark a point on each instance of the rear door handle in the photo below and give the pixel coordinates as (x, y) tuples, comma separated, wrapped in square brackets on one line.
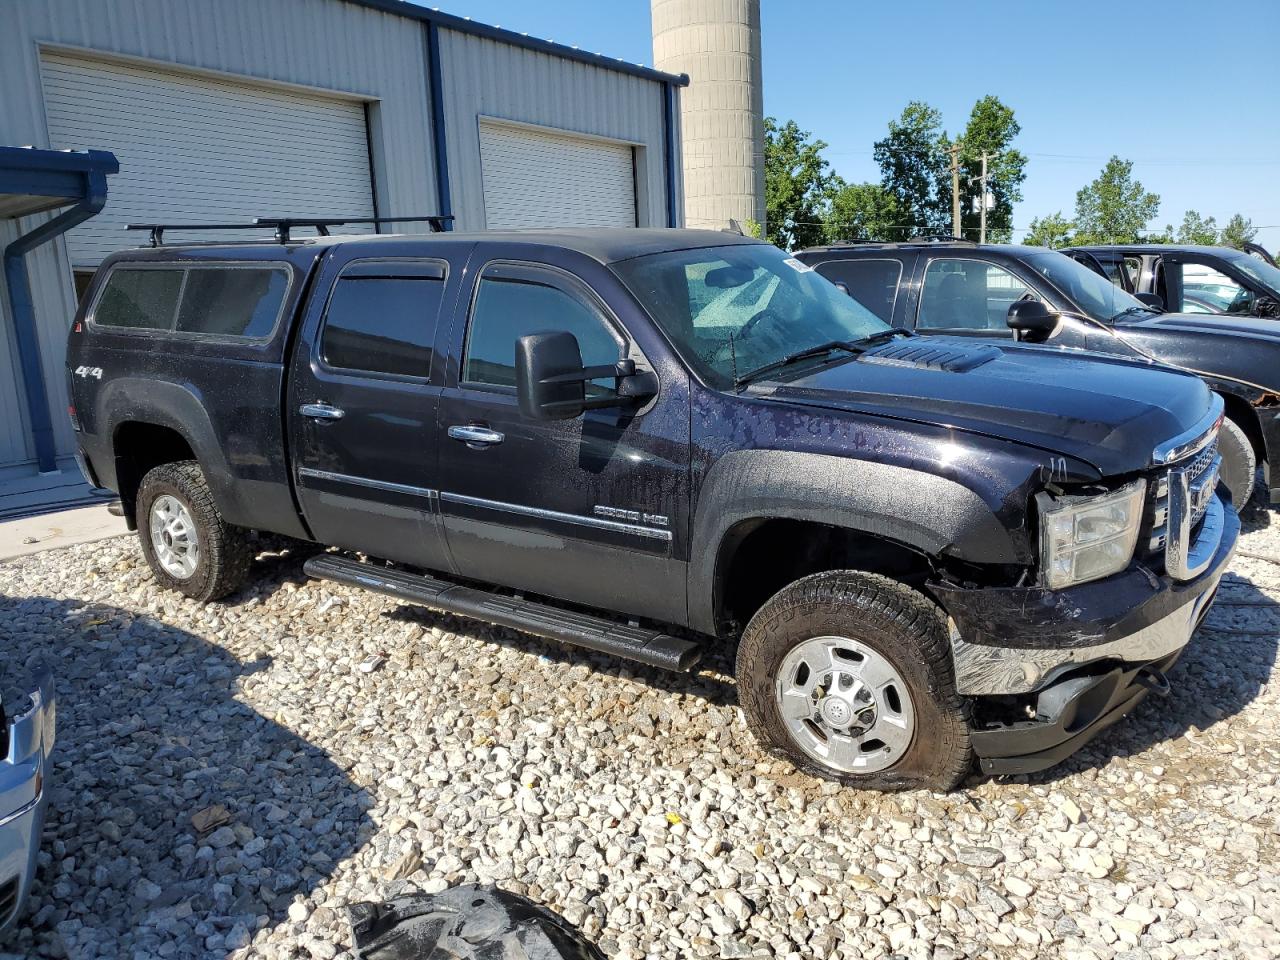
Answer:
[(471, 434), (321, 411)]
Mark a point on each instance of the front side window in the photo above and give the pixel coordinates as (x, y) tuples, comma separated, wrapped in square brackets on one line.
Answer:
[(873, 283), (1089, 293), (202, 300), (382, 325), (732, 309), (1206, 289), (512, 303), (970, 295)]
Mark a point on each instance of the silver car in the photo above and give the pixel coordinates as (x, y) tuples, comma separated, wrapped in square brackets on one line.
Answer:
[(24, 759)]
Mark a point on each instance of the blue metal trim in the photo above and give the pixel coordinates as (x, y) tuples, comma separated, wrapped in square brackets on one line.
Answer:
[(463, 25), (16, 164), (670, 161), (439, 137)]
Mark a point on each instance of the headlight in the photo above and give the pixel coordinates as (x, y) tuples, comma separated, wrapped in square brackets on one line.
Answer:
[(1084, 538)]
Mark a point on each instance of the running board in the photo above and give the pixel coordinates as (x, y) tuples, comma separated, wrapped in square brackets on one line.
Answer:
[(568, 626)]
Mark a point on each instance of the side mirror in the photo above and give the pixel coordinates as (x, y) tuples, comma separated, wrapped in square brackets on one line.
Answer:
[(1266, 307), (1152, 300), (843, 288), (551, 382), (1032, 321)]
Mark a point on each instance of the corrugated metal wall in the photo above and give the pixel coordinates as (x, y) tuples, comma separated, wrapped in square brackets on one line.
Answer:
[(324, 45), (537, 88)]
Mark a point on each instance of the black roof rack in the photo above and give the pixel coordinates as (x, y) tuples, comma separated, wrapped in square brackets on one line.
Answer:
[(283, 226), (850, 241), (941, 238)]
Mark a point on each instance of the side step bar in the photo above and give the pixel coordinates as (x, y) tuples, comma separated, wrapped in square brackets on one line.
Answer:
[(568, 626)]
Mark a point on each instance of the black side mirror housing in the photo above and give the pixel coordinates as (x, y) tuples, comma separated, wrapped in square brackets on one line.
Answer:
[(1152, 300), (1032, 321), (551, 382)]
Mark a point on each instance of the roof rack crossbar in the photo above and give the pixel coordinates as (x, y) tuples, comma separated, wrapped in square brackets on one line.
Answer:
[(283, 226), (941, 238)]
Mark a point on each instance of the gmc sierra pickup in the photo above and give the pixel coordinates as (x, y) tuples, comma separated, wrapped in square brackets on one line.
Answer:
[(654, 442)]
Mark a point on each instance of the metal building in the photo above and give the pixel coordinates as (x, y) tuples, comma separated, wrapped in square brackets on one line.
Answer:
[(717, 43), (222, 110)]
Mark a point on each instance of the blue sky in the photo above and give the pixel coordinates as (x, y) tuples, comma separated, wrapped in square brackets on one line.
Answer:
[(1192, 97)]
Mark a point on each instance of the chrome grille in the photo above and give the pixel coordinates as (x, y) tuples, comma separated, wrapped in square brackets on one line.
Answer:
[(1159, 508)]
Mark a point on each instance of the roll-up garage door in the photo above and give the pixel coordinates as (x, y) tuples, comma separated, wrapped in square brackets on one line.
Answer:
[(196, 148), (538, 178)]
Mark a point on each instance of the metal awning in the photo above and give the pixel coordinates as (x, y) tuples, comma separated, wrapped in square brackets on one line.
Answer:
[(37, 181)]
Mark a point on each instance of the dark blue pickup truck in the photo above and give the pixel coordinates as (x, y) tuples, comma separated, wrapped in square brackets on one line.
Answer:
[(657, 443)]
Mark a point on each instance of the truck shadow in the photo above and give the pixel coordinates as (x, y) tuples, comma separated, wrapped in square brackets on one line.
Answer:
[(1224, 668), (151, 733)]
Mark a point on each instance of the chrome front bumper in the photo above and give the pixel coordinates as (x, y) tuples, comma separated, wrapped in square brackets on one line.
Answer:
[(987, 668), (23, 798)]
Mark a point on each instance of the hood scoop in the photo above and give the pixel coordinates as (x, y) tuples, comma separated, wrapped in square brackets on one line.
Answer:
[(924, 354)]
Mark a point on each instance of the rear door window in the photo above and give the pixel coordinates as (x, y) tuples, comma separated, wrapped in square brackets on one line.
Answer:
[(383, 324), (873, 283)]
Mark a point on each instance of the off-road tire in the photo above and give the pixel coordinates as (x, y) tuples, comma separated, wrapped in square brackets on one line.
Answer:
[(904, 627), (225, 552), (1239, 463)]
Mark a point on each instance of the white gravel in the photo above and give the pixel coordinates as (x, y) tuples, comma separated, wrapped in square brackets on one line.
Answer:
[(338, 746)]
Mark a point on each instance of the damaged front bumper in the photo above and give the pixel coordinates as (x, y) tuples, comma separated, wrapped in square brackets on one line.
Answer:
[(23, 769), (1054, 668)]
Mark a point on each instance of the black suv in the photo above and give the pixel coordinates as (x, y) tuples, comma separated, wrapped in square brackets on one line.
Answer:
[(1190, 279), (655, 443), (956, 288)]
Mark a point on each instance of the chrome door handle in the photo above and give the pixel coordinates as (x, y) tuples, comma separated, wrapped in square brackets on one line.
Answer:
[(470, 433), (321, 411)]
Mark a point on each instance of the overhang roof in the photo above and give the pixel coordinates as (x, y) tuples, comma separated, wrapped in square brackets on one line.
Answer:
[(33, 181)]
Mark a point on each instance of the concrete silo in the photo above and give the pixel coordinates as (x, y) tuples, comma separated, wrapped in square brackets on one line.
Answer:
[(717, 43)]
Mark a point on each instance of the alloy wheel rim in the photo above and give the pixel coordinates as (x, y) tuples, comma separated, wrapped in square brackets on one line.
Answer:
[(845, 705), (173, 537)]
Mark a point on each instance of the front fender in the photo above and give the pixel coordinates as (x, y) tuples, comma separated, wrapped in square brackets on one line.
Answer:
[(930, 513)]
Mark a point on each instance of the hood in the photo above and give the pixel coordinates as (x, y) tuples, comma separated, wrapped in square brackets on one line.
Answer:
[(1244, 349), (1106, 411)]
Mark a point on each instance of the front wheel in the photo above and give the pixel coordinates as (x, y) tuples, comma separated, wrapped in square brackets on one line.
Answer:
[(187, 544), (1239, 463), (848, 675)]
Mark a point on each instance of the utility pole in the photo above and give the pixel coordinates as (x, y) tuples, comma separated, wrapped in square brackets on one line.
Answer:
[(982, 197), (955, 190)]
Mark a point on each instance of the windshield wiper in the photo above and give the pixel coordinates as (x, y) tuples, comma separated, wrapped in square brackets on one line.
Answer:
[(1128, 310), (861, 345), (821, 350)]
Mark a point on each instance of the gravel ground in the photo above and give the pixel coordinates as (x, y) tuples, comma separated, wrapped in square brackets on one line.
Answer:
[(631, 800)]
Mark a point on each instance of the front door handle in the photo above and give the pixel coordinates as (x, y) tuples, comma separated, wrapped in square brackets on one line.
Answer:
[(321, 411), (470, 434)]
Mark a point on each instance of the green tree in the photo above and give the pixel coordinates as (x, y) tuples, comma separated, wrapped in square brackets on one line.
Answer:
[(1197, 229), (1052, 231), (1238, 231), (862, 211), (1115, 208), (912, 165), (798, 185), (991, 130)]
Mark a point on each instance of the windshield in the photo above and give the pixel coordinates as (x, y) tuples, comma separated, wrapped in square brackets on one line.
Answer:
[(1093, 294), (1259, 270), (736, 308)]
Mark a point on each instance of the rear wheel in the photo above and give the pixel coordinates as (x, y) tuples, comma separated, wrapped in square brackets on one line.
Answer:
[(848, 675), (1239, 463), (187, 544)]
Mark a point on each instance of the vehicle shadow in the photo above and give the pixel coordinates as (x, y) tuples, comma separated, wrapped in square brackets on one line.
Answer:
[(1226, 665), (150, 733)]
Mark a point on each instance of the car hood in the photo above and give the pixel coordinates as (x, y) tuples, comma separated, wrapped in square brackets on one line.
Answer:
[(1244, 349), (1106, 411)]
